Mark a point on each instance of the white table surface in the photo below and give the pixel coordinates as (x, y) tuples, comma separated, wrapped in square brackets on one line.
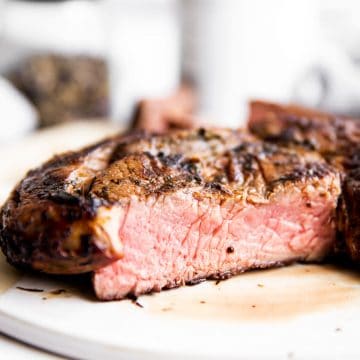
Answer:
[(14, 350)]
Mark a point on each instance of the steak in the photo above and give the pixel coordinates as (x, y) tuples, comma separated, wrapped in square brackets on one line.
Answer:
[(146, 212), (336, 138)]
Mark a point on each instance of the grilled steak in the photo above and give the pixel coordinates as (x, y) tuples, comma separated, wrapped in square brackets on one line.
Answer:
[(336, 138), (150, 212)]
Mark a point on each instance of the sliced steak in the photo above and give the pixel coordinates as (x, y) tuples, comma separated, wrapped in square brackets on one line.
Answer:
[(152, 212), (337, 138)]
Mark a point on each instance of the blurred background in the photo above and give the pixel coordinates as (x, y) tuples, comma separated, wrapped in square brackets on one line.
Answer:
[(135, 62)]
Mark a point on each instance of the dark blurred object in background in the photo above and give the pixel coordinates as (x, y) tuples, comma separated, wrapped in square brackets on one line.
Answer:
[(64, 88), (54, 53)]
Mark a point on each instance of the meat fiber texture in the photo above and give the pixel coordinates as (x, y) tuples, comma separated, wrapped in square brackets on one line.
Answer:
[(146, 212), (336, 138)]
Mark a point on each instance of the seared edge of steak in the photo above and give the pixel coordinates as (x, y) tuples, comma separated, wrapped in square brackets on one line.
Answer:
[(46, 223)]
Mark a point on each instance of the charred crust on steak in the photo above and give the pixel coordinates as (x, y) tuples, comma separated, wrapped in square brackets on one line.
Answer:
[(307, 171), (50, 221)]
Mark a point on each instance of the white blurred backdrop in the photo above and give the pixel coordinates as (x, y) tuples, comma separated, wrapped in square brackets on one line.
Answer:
[(307, 51)]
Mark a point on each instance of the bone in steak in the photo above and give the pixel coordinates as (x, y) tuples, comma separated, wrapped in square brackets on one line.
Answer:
[(151, 212), (337, 138)]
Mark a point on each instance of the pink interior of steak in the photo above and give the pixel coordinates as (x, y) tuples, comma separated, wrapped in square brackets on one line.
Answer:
[(172, 240)]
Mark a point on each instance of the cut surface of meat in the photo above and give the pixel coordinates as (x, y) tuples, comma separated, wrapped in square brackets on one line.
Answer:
[(336, 138), (174, 240), (151, 212)]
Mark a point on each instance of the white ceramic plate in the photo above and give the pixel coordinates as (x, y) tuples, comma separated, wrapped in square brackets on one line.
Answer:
[(290, 313), (302, 311)]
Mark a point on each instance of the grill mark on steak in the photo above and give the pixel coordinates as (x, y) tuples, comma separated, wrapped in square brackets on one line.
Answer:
[(316, 170)]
